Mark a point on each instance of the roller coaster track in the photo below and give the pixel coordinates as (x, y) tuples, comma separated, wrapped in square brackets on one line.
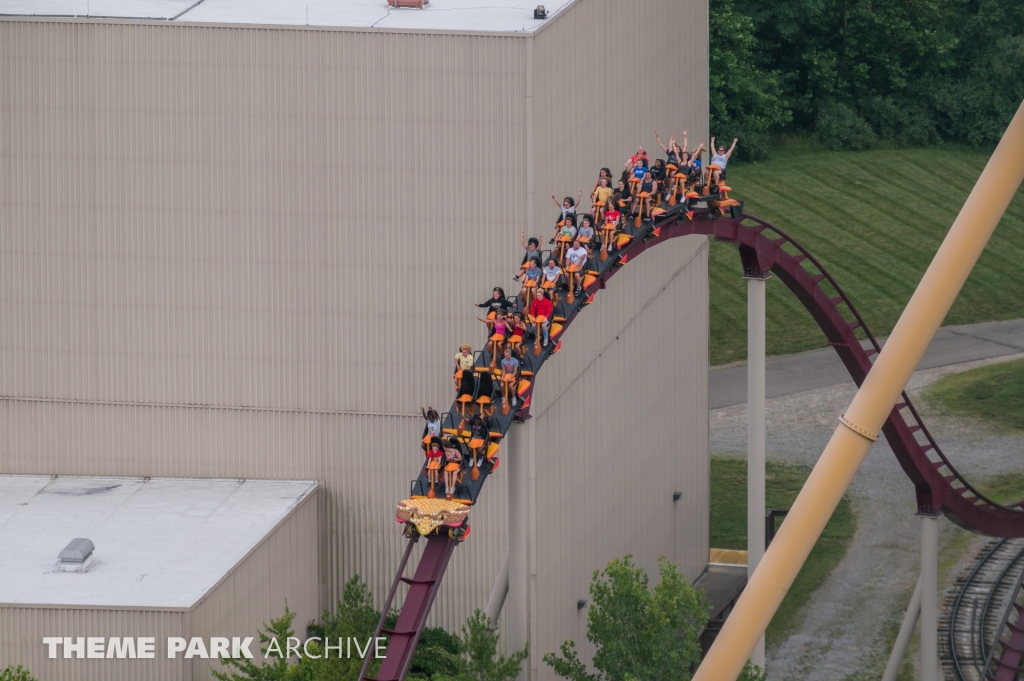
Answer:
[(978, 614), (763, 248)]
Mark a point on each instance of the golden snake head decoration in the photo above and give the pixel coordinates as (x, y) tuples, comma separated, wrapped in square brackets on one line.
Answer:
[(429, 514)]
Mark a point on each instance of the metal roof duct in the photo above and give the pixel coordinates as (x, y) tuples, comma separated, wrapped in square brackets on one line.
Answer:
[(76, 556)]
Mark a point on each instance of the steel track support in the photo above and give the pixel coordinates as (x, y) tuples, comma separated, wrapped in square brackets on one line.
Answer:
[(517, 460), (899, 648), (498, 593), (756, 432), (929, 582)]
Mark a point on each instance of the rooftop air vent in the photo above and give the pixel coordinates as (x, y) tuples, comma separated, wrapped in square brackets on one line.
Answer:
[(540, 12), (76, 556)]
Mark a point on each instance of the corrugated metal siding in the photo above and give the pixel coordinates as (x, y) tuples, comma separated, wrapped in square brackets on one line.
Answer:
[(617, 441), (607, 74), (622, 412), (287, 225), (252, 251), (290, 219), (24, 628), (283, 569)]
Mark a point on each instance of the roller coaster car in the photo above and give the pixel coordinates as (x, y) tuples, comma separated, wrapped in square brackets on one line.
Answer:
[(722, 203), (485, 390), (427, 516)]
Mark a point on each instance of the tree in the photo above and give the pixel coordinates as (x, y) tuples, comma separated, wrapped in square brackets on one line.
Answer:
[(641, 634), (439, 655), (279, 669), (745, 99), (478, 658), (751, 672), (12, 673)]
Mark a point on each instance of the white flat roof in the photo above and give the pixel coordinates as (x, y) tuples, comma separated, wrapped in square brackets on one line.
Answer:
[(439, 15), (160, 543)]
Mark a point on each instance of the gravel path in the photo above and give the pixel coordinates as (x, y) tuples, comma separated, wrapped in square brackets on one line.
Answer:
[(850, 622)]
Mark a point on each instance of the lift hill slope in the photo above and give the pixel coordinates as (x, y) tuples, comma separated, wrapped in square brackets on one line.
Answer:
[(763, 248)]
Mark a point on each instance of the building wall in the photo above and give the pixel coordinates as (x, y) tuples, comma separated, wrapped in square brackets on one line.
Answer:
[(622, 412), (599, 91), (250, 250), (616, 437), (24, 628), (284, 568)]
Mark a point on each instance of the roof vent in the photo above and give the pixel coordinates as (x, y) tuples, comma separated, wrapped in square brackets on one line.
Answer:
[(76, 556)]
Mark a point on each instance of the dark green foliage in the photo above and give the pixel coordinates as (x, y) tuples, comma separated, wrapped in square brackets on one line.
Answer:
[(752, 672), (914, 71), (434, 656), (839, 127), (439, 656), (19, 673), (641, 634), (745, 100), (478, 658), (277, 669)]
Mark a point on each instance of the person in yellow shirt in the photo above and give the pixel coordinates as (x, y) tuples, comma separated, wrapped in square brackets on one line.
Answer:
[(600, 198)]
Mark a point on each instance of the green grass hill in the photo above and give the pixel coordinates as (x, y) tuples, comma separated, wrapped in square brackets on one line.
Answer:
[(874, 219)]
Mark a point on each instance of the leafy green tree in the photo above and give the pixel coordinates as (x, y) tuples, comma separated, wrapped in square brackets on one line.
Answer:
[(910, 72), (478, 658), (278, 669), (12, 673), (434, 657), (353, 617), (641, 634), (751, 672), (439, 655), (745, 100)]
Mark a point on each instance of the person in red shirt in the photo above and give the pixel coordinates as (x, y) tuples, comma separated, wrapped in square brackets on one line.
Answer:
[(541, 310), (640, 155), (608, 229), (434, 455)]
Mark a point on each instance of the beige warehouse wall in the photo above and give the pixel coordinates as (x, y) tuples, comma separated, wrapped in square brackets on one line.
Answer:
[(284, 567), (618, 439), (24, 628), (252, 252), (607, 74), (622, 411)]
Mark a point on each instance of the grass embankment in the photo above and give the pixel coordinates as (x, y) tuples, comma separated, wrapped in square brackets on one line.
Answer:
[(782, 484), (875, 220), (993, 393)]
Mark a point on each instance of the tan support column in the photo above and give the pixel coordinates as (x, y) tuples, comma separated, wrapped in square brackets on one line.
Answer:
[(870, 408), (517, 464), (755, 433)]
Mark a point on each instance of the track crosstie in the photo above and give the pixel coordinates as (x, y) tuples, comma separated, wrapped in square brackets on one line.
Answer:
[(763, 248)]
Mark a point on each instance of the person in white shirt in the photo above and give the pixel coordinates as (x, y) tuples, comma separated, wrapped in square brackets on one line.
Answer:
[(720, 158), (576, 259)]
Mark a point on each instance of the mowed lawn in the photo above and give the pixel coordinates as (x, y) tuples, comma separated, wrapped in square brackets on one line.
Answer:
[(994, 393), (783, 482), (874, 219)]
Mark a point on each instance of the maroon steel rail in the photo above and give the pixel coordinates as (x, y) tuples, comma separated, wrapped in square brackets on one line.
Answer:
[(413, 616), (939, 486)]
